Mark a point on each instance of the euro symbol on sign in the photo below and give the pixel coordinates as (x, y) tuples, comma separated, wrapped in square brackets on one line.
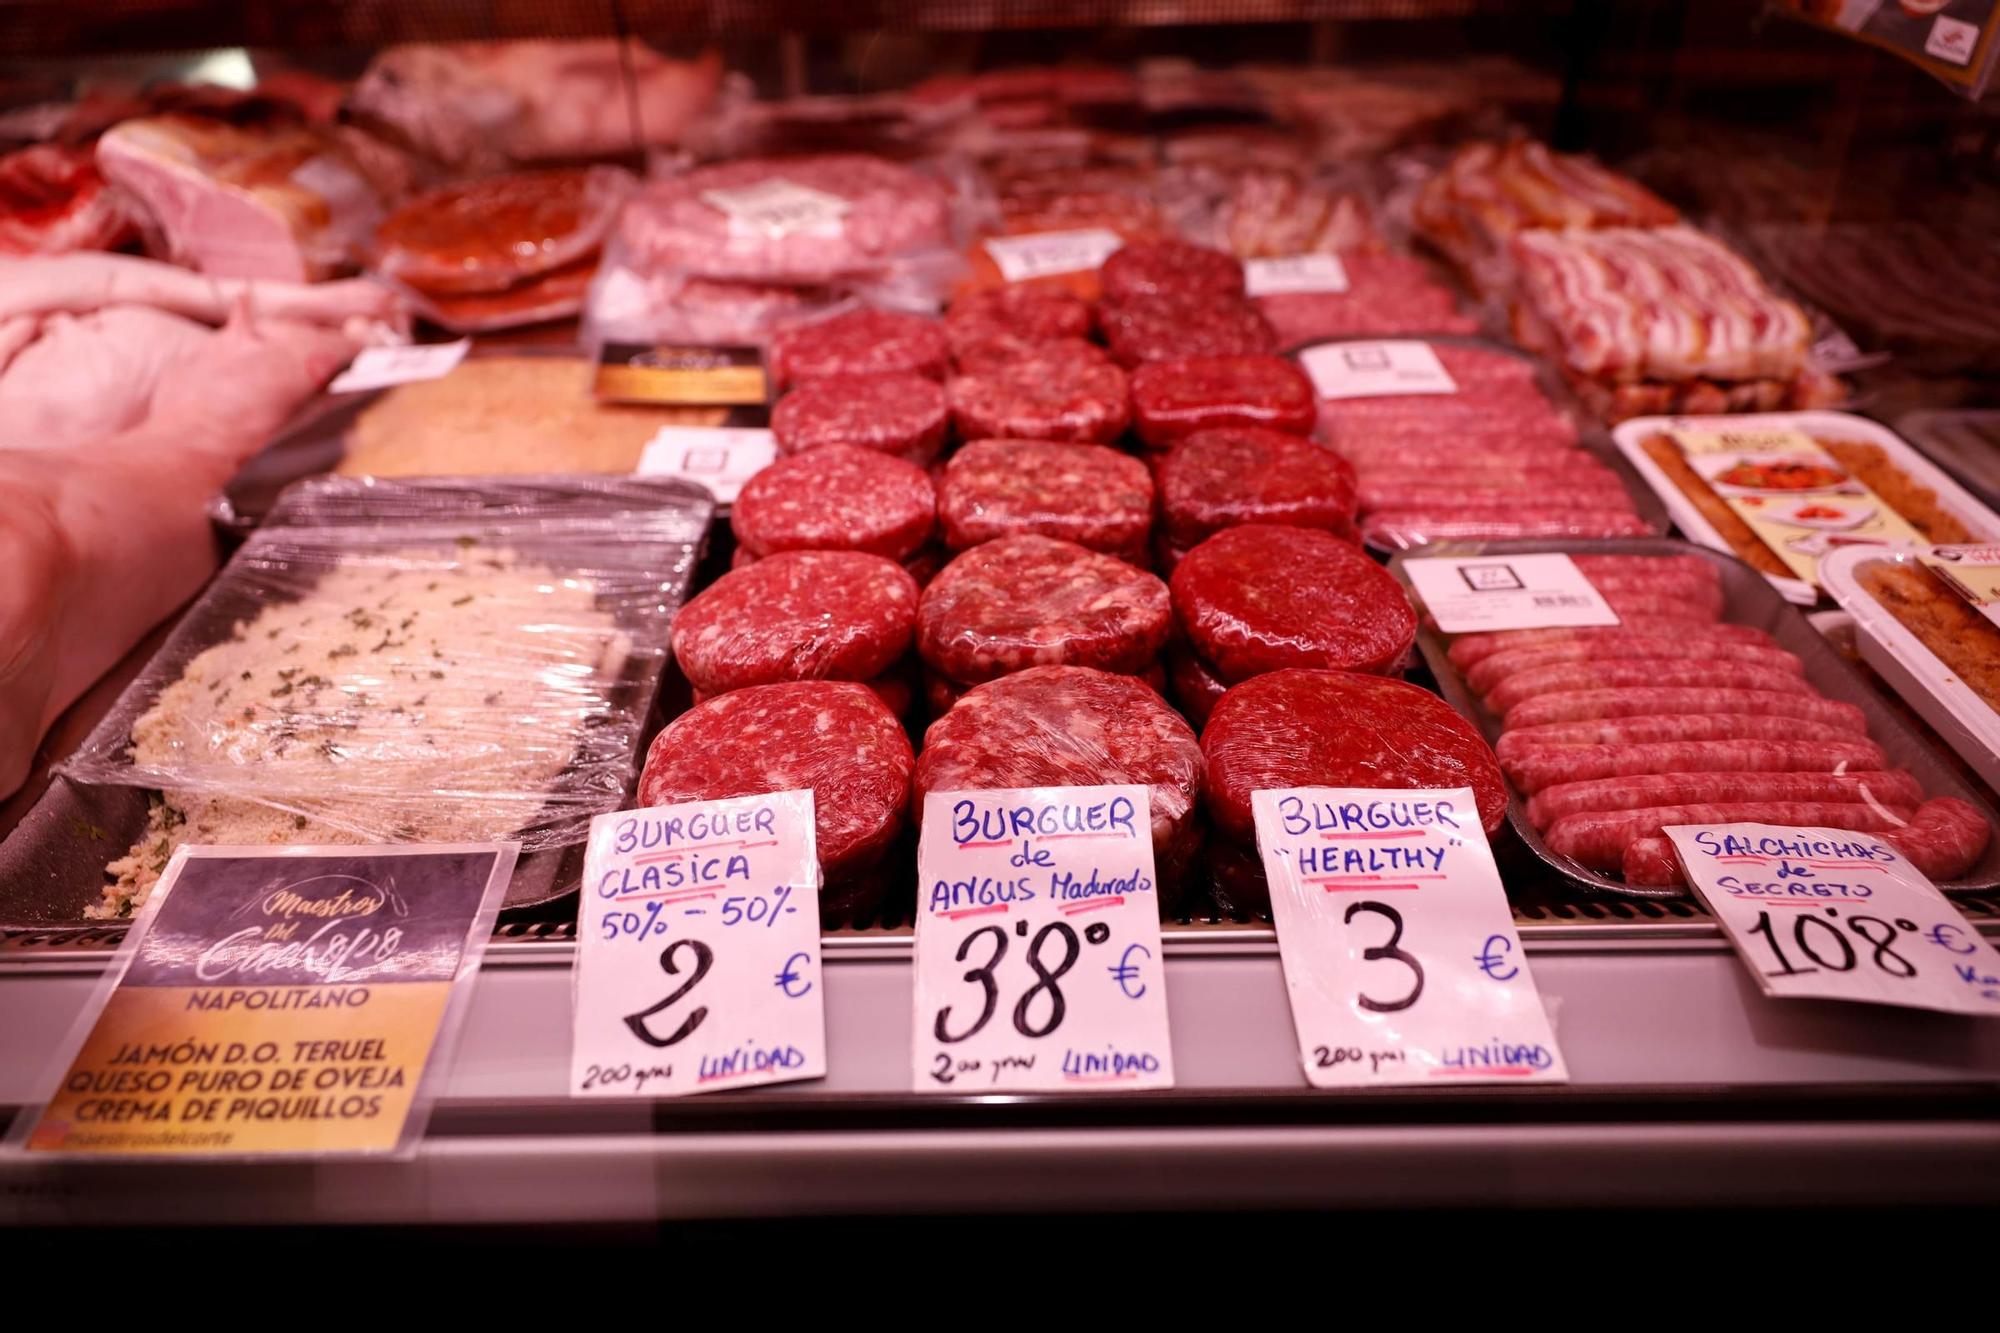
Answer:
[(1494, 957), (1127, 971), (790, 977), (1947, 936)]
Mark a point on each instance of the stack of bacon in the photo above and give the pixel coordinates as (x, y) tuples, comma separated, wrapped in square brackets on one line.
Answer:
[(1676, 717), (1496, 459), (1661, 320)]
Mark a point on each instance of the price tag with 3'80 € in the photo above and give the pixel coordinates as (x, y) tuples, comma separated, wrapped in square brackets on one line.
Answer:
[(698, 949), (1816, 912), (1038, 943), (1399, 948)]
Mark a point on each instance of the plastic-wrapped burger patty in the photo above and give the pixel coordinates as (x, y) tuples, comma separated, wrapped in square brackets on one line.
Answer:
[(1085, 493), (1170, 268), (1171, 400), (799, 615), (903, 415), (1216, 479), (860, 342), (1072, 726), (1063, 390), (1001, 323), (1027, 601), (1174, 328), (941, 692), (838, 497), (1266, 596), (1332, 729), (485, 236), (833, 737), (1193, 684)]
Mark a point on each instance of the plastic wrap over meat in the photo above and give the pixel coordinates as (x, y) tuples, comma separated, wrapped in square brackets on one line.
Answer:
[(1170, 268), (1173, 399), (1063, 390), (832, 737), (1387, 295), (628, 304), (1218, 479), (1028, 601), (1338, 729), (1194, 686), (1085, 493), (395, 662), (904, 415), (836, 497), (1173, 328), (1005, 321), (1264, 597), (860, 342), (1071, 726), (794, 220), (557, 294), (799, 615), (491, 234)]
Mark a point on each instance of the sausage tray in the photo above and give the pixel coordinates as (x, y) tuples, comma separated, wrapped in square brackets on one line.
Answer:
[(1748, 599)]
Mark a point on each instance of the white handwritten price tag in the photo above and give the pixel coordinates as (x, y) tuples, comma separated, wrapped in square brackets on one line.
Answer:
[(698, 963), (382, 367), (1044, 254), (1288, 274), (1478, 593), (1399, 948), (779, 207), (1375, 369), (1821, 913), (722, 458), (1038, 943)]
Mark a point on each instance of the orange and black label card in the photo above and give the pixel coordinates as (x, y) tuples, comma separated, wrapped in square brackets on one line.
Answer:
[(680, 374)]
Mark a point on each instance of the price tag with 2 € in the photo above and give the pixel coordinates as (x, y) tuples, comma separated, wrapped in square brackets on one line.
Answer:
[(1399, 948), (698, 958), (1817, 912), (1038, 943)]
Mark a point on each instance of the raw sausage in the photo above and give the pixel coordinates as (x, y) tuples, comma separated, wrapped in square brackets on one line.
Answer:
[(1666, 727), (1599, 840), (1944, 839), (1484, 674), (1537, 769), (1590, 705), (1891, 788), (1570, 677), (1470, 648)]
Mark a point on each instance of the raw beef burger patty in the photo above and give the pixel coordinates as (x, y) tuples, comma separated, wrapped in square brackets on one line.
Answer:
[(800, 615), (840, 497), (1173, 399), (1058, 391), (859, 342), (834, 737), (903, 415), (1218, 479), (1036, 601), (1011, 320), (1265, 597), (1338, 729), (1170, 268), (1071, 726), (1173, 328), (1085, 493)]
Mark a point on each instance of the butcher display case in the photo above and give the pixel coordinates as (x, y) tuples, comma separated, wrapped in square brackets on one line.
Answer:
[(1507, 194)]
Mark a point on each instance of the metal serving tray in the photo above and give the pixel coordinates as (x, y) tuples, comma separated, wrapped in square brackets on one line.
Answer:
[(1748, 599)]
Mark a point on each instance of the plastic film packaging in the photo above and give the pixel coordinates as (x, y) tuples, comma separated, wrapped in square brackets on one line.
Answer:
[(1264, 597), (409, 661), (835, 738), (1175, 327), (859, 341), (1072, 726), (1173, 399), (1170, 268), (1005, 320), (1216, 479), (836, 497), (1063, 390), (1085, 493), (903, 415), (799, 615), (1027, 601), (489, 235)]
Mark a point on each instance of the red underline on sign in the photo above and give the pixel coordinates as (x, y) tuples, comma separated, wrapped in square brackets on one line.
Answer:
[(671, 896), (999, 843), (1486, 1071), (1794, 902), (1392, 833), (1099, 1078), (1057, 837), (655, 857), (1075, 908), (1839, 865), (1340, 883), (973, 911), (1743, 856)]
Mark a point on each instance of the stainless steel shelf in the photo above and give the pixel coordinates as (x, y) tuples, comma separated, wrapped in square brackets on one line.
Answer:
[(1689, 1087)]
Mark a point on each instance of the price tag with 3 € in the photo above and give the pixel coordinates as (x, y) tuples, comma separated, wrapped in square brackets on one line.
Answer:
[(1038, 943), (698, 958), (1399, 948), (1817, 912)]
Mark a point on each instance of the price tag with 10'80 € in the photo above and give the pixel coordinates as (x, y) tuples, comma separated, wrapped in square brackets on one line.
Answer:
[(1816, 912), (698, 957), (1399, 948), (1038, 943)]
